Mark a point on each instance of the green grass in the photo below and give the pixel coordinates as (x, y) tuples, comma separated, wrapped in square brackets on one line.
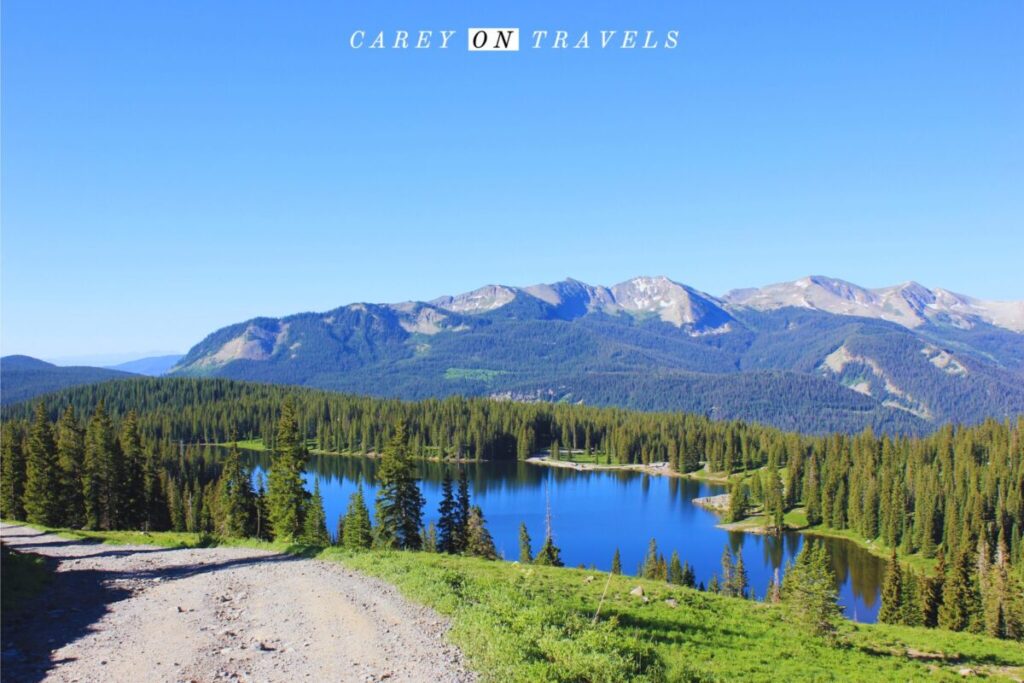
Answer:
[(24, 575), (598, 459), (476, 374), (526, 623)]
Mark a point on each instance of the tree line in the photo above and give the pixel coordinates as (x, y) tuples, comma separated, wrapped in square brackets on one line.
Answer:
[(958, 491)]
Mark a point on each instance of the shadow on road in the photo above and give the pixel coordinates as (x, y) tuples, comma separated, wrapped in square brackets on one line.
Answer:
[(76, 599)]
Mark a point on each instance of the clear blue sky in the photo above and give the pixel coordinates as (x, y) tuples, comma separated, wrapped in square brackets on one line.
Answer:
[(169, 168)]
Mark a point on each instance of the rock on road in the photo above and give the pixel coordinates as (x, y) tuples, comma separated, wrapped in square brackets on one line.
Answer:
[(141, 613)]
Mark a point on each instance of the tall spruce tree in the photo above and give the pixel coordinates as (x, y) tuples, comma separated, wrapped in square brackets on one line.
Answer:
[(738, 502), (478, 540), (236, 495), (725, 584), (399, 501), (958, 601), (101, 470), (286, 496), (649, 568), (12, 472), (740, 580), (358, 533), (131, 483), (43, 500), (617, 562), (71, 459), (314, 524), (892, 609), (462, 511), (812, 493), (525, 543), (809, 591), (447, 523), (675, 569)]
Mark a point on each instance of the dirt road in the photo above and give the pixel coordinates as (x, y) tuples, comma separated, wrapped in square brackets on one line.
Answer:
[(139, 613)]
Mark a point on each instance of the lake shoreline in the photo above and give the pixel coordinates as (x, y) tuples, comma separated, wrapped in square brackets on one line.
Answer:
[(658, 469)]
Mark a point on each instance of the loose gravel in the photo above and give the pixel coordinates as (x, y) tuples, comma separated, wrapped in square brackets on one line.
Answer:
[(141, 613)]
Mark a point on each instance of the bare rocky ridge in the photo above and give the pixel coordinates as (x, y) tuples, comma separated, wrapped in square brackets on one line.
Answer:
[(140, 613)]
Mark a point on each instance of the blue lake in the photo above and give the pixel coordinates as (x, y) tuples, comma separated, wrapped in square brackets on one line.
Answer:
[(594, 513)]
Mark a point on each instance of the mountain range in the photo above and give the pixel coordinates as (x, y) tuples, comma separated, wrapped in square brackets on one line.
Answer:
[(816, 354), (24, 377)]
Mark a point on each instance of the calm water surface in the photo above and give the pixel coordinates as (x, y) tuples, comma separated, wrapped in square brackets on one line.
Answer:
[(596, 512)]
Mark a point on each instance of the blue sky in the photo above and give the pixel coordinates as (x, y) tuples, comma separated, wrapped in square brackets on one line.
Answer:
[(169, 168)]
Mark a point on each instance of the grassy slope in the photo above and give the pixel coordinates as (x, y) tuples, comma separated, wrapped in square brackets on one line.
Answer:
[(525, 623)]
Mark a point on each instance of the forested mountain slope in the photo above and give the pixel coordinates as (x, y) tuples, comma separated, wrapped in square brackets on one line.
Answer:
[(24, 377), (900, 360)]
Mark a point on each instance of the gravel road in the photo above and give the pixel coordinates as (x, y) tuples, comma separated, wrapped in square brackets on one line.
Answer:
[(141, 613)]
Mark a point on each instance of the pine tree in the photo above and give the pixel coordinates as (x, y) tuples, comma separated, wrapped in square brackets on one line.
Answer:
[(447, 522), (43, 503), (525, 543), (809, 591), (912, 611), (314, 526), (957, 609), (892, 609), (549, 554), (339, 531), (812, 494), (261, 510), (675, 569), (12, 473), (931, 592), (132, 498), (156, 516), (99, 470), (616, 562), (737, 502), (649, 568), (774, 500), (461, 512), (1002, 596), (428, 538), (725, 584), (235, 495), (740, 581), (176, 507), (399, 501), (71, 459), (689, 577), (478, 540), (286, 496), (358, 532)]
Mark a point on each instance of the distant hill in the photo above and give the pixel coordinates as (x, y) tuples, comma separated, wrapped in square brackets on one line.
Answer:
[(24, 377), (153, 366), (815, 355)]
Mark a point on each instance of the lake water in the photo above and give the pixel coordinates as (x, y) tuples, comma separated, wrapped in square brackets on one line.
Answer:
[(594, 513)]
